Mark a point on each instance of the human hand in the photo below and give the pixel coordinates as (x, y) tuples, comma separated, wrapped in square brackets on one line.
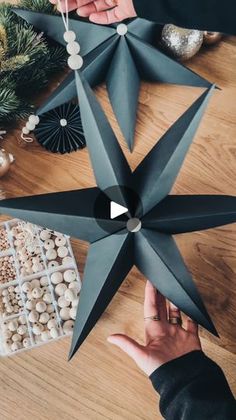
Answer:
[(101, 11), (164, 341)]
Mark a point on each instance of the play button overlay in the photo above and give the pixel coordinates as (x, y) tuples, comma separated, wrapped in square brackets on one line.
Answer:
[(115, 210)]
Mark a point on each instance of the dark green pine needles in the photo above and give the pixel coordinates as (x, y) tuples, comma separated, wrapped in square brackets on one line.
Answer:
[(26, 61)]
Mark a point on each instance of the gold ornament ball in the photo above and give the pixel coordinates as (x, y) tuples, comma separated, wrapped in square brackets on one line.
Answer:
[(180, 42), (5, 161), (211, 38)]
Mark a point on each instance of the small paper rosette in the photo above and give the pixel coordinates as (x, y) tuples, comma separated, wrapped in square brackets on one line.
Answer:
[(60, 130)]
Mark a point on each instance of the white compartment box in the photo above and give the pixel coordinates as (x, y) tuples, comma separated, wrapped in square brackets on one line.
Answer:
[(39, 286)]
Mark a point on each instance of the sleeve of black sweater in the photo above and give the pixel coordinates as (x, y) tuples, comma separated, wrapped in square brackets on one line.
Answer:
[(209, 15), (193, 387)]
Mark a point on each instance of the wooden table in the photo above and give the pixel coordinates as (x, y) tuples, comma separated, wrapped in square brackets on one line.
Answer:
[(101, 382)]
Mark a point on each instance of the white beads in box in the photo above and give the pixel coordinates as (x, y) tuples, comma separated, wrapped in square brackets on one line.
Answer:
[(56, 248), (46, 300), (66, 286), (15, 335), (41, 310)]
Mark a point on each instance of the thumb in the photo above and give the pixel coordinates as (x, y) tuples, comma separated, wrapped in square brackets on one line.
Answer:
[(128, 345)]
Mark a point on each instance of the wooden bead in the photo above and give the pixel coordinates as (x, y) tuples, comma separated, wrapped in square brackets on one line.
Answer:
[(22, 329), (44, 281), (53, 264), (47, 298), (62, 302), (67, 260), (33, 316), (50, 309), (45, 336), (69, 276), (22, 319), (41, 307), (65, 314), (45, 234), (69, 36), (68, 327), (60, 241), (73, 312), (27, 342), (16, 337), (70, 295), (52, 323), (60, 289), (49, 244), (16, 346), (37, 328), (37, 292), (44, 318), (13, 325), (75, 285), (62, 251), (30, 304), (54, 332), (26, 287), (51, 254), (35, 283), (56, 277)]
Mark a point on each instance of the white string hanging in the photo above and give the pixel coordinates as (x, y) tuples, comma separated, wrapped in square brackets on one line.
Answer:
[(75, 62)]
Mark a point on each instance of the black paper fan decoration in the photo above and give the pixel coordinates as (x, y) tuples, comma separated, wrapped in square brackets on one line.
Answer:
[(60, 130)]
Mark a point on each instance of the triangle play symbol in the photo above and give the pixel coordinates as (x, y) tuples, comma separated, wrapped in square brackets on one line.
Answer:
[(116, 210)]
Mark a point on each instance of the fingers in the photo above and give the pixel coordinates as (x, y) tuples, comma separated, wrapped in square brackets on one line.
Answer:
[(174, 315), (150, 300), (154, 305), (61, 6), (154, 302), (192, 327), (95, 6), (104, 18), (128, 345)]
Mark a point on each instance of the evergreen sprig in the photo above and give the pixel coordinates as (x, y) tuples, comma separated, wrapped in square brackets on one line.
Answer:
[(27, 60)]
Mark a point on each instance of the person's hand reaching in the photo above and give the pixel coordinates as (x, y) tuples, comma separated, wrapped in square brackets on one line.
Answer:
[(101, 11), (165, 338)]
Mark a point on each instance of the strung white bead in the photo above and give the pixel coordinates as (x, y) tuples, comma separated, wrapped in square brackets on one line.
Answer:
[(25, 130), (75, 62), (69, 36), (63, 122), (30, 126), (34, 119), (122, 29), (73, 48)]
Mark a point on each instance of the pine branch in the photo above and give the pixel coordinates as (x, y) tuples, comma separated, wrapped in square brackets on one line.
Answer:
[(43, 6)]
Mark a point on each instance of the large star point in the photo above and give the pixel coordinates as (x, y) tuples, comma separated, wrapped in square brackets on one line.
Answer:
[(121, 61), (113, 248)]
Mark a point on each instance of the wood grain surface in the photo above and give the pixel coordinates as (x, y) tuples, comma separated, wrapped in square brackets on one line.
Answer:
[(101, 382)]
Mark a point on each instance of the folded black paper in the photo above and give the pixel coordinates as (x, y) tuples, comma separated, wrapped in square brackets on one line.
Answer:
[(121, 61), (114, 249)]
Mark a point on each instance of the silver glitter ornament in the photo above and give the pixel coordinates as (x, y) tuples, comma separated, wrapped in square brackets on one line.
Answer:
[(181, 43)]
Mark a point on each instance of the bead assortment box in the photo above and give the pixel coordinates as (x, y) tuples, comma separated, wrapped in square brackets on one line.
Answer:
[(39, 286)]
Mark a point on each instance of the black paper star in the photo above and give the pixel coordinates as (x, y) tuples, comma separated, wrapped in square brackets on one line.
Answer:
[(121, 61), (114, 249)]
